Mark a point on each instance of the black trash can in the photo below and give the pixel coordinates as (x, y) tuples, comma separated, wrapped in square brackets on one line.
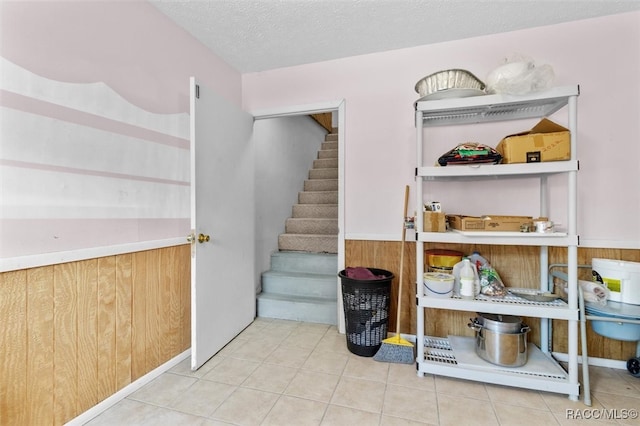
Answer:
[(366, 311)]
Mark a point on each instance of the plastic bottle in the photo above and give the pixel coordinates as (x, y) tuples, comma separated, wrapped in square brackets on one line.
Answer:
[(456, 276), (467, 280)]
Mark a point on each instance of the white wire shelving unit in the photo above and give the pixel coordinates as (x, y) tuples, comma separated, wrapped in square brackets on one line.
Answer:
[(454, 356)]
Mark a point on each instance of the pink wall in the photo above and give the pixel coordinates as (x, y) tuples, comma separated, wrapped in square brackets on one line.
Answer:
[(80, 166), (129, 45), (147, 59), (601, 55)]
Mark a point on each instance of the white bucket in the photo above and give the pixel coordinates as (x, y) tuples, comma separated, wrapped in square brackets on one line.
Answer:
[(622, 278)]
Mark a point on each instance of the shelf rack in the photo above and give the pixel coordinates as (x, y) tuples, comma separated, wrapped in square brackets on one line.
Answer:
[(436, 355)]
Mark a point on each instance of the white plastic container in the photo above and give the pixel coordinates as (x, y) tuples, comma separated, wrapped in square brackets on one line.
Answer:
[(622, 278), (467, 280), (456, 274), (438, 284)]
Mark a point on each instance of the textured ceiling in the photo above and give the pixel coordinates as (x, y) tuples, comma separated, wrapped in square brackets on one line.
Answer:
[(258, 35)]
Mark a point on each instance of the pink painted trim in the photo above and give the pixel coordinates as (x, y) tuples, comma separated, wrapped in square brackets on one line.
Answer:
[(87, 172), (47, 109)]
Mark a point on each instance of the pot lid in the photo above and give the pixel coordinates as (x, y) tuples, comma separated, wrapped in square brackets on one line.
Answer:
[(499, 322), (501, 318)]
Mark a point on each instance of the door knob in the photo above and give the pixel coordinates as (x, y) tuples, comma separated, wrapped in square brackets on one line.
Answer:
[(202, 238)]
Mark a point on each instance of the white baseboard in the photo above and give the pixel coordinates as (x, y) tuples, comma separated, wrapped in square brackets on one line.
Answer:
[(127, 390)]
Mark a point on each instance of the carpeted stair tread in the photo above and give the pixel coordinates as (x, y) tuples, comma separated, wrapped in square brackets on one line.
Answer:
[(320, 185), (325, 163), (329, 145), (315, 211), (313, 243), (327, 173), (294, 261), (318, 197), (311, 225), (297, 308), (300, 284), (327, 153), (304, 299)]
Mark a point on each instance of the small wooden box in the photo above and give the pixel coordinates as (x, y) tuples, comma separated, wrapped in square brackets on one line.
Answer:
[(434, 222), (488, 223)]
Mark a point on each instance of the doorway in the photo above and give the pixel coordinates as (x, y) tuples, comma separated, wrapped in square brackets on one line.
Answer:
[(338, 109)]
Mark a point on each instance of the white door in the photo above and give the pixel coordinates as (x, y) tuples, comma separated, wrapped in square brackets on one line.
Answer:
[(222, 223)]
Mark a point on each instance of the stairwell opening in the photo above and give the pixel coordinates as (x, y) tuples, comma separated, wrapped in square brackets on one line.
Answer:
[(300, 282)]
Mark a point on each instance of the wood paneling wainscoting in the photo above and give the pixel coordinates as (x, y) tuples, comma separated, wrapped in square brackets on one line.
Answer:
[(518, 267), (75, 333)]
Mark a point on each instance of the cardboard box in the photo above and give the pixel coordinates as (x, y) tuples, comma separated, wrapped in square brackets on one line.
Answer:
[(547, 141), (434, 222), (487, 223)]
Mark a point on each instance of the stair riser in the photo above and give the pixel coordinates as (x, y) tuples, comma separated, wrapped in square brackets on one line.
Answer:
[(328, 211), (321, 185), (327, 153), (311, 226), (324, 286), (325, 163), (331, 137), (318, 197), (323, 173), (329, 145), (297, 311), (308, 243), (313, 263)]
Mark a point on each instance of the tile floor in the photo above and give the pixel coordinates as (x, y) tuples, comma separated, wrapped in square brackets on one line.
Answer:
[(289, 373)]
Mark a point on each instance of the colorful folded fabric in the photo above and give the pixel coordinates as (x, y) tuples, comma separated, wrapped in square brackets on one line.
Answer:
[(470, 153)]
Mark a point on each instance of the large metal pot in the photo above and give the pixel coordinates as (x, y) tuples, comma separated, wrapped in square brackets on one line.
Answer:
[(501, 339)]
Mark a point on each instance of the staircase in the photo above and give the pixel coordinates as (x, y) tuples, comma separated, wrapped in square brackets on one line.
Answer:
[(313, 226), (302, 282)]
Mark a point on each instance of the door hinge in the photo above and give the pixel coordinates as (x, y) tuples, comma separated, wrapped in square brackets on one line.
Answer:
[(197, 91)]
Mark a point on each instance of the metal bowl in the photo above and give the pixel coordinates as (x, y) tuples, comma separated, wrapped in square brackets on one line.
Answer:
[(458, 81)]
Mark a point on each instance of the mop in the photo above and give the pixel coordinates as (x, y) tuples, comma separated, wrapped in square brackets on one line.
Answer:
[(396, 349)]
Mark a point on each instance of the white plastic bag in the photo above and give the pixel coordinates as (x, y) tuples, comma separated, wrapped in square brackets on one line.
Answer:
[(519, 75)]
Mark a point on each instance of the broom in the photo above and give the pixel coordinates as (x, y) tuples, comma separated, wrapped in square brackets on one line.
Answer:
[(396, 349)]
